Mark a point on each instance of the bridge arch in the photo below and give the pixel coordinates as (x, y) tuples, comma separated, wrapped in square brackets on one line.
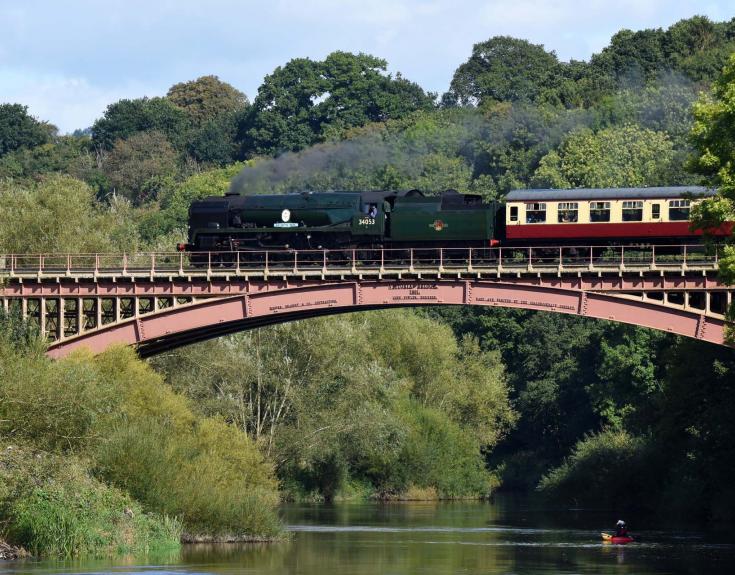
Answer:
[(237, 306), (161, 300)]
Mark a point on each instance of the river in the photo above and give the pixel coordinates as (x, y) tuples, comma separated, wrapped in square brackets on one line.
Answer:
[(511, 536)]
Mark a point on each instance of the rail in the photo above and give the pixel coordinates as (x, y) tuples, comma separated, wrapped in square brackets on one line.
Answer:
[(496, 260)]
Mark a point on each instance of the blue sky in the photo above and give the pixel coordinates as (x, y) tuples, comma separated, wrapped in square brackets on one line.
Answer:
[(67, 60)]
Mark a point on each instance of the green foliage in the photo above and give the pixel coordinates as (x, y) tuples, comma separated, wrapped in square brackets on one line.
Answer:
[(57, 405), (712, 136), (605, 469), (504, 69), (624, 156), (630, 377), (299, 103), (65, 154), (206, 98), (59, 214), (19, 335), (138, 436), (128, 117), (135, 165), (438, 454), (695, 431), (19, 130), (54, 507), (215, 141), (202, 470), (383, 398)]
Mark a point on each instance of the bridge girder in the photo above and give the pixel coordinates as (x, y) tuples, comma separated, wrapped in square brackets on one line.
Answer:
[(159, 301)]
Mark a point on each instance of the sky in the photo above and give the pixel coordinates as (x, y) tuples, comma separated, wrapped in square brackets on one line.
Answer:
[(68, 60)]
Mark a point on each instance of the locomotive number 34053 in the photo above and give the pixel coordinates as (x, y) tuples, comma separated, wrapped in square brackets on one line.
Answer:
[(366, 221)]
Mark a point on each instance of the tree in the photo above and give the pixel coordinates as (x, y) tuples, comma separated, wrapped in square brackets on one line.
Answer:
[(632, 58), (132, 164), (713, 137), (214, 143), (128, 117), (300, 103), (613, 157), (504, 69), (66, 154), (698, 47), (206, 98), (20, 130), (387, 399), (59, 214)]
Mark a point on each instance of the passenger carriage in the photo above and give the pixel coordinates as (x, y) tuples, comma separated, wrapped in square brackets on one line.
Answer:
[(624, 215)]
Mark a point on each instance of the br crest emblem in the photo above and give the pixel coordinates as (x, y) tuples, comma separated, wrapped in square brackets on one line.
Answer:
[(438, 225)]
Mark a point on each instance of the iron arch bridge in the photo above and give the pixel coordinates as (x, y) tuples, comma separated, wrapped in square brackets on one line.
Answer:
[(158, 301)]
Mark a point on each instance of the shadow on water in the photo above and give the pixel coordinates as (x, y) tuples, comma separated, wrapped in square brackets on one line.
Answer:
[(514, 535)]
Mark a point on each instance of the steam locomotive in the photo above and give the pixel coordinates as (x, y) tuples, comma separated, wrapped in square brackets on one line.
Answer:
[(404, 219)]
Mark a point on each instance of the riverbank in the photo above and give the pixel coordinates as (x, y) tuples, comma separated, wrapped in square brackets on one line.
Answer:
[(11, 552)]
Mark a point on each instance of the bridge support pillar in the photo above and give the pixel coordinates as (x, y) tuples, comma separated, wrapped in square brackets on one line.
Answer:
[(80, 316), (60, 319), (42, 317)]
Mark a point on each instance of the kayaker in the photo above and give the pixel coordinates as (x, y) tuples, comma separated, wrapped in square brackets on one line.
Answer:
[(620, 529)]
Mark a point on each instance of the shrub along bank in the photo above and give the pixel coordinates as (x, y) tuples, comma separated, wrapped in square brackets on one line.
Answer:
[(100, 456)]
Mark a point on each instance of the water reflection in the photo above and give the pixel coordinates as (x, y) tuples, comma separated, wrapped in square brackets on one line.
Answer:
[(512, 536)]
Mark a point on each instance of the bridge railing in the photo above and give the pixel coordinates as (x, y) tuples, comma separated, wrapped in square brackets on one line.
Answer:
[(532, 258)]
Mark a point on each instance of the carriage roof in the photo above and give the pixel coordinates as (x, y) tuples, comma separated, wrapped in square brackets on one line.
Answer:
[(609, 193)]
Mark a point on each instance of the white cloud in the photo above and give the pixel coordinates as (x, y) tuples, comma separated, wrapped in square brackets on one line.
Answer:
[(69, 60), (67, 102)]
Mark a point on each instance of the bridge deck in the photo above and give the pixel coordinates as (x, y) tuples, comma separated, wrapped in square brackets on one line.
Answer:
[(477, 262), (157, 300)]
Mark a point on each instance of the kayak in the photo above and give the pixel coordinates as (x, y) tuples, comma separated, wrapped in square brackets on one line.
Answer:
[(617, 540)]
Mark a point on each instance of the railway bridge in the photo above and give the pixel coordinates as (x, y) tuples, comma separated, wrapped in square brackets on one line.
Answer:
[(157, 301)]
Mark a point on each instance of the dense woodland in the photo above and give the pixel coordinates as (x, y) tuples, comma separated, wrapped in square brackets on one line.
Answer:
[(432, 403)]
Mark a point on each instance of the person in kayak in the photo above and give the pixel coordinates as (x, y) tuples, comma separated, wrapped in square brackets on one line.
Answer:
[(621, 530)]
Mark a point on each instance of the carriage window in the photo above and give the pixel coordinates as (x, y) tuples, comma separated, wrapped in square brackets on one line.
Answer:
[(535, 213), (568, 212), (599, 211), (678, 210), (633, 211), (656, 211), (514, 213)]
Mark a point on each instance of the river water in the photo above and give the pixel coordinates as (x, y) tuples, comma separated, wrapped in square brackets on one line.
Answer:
[(511, 536)]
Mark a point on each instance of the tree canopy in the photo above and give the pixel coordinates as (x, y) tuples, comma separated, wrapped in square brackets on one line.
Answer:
[(504, 69), (206, 98), (127, 117), (305, 100), (20, 130), (624, 156)]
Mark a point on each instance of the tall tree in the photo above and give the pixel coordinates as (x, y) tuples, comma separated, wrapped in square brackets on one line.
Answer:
[(127, 117), (206, 98), (713, 136), (134, 166), (302, 102), (504, 69), (19, 130)]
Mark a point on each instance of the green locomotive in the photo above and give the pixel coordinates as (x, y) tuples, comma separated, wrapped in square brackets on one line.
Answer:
[(339, 220)]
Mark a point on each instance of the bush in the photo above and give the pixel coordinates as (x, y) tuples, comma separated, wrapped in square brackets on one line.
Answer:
[(201, 469), (605, 469), (139, 436), (439, 454), (53, 506)]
